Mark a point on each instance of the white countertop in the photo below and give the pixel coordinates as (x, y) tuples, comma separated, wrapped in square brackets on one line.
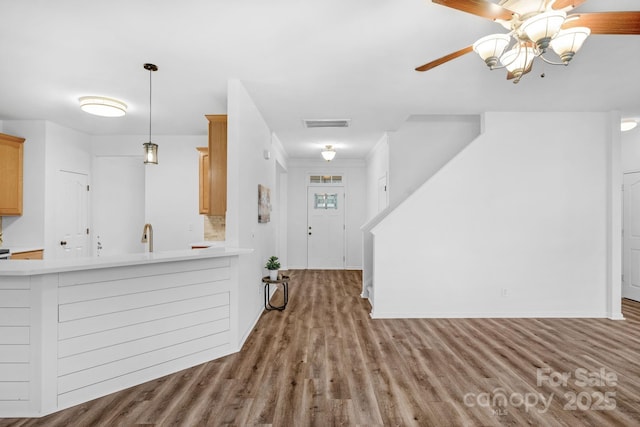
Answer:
[(46, 266)]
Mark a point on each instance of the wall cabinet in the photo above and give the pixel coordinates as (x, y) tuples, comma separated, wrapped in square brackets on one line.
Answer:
[(217, 165), (11, 166), (204, 193)]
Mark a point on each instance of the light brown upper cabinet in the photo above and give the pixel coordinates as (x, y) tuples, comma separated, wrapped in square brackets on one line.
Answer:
[(217, 164), (11, 158), (203, 167)]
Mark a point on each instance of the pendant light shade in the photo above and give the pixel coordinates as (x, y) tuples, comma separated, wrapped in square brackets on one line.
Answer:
[(491, 47), (541, 28), (150, 152), (518, 60), (150, 149), (567, 42)]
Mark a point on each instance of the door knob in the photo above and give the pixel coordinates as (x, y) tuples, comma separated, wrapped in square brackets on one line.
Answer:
[(309, 233), (63, 243)]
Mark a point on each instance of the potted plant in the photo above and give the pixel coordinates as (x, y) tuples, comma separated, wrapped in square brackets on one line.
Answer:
[(273, 265)]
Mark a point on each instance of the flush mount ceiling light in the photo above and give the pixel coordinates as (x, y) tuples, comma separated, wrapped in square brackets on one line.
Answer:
[(628, 124), (533, 27), (328, 153), (103, 106), (150, 149)]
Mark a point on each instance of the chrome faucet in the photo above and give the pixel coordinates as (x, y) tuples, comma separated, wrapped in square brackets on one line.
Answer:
[(147, 236)]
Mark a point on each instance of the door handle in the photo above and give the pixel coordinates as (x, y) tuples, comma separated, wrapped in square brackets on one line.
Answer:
[(63, 243)]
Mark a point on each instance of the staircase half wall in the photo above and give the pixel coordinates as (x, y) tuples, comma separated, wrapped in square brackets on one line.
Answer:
[(524, 222)]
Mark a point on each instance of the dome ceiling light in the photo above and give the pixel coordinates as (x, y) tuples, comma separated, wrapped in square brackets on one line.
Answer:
[(628, 124), (328, 153), (103, 106)]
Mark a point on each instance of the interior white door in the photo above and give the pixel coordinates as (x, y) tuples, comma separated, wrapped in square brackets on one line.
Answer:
[(325, 227), (72, 215), (118, 205), (631, 237), (383, 200)]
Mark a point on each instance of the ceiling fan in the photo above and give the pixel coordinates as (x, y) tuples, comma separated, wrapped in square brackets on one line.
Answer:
[(534, 26)]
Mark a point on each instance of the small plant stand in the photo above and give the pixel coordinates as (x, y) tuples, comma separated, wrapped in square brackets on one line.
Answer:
[(284, 280)]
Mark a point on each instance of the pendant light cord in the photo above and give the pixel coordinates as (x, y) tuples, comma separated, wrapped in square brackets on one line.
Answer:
[(150, 71), (151, 68)]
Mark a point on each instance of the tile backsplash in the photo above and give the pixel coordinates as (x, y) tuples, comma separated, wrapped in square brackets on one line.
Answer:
[(214, 228)]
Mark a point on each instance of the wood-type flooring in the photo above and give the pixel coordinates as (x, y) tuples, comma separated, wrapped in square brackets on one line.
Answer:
[(323, 361)]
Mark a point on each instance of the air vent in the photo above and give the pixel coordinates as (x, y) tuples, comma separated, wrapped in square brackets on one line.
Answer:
[(326, 123)]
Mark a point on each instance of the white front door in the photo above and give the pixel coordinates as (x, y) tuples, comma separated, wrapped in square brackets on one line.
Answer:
[(325, 227), (72, 219), (631, 238)]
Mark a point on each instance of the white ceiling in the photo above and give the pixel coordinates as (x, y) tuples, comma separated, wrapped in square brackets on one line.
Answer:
[(298, 59)]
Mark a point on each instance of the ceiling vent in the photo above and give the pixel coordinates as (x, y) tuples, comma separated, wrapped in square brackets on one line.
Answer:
[(326, 123)]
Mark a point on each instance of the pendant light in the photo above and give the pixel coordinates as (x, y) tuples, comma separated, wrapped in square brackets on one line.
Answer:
[(150, 149)]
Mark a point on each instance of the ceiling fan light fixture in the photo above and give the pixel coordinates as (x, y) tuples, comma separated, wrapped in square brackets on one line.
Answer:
[(567, 42), (102, 106), (543, 27), (517, 60), (628, 124), (328, 153), (491, 47)]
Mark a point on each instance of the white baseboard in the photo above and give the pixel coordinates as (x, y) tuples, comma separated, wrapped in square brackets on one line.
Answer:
[(561, 315)]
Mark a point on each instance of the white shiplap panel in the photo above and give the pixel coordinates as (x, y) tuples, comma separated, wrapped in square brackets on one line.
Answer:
[(110, 321), (14, 335), (14, 372), (14, 283), (14, 353), (159, 269), (14, 390), (98, 307), (130, 365), (106, 289), (14, 316), (136, 331), (84, 394), (14, 298), (105, 355)]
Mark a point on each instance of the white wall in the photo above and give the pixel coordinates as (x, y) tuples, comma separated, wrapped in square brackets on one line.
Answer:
[(513, 226), (27, 230), (631, 150), (171, 186), (354, 174), (422, 145), (248, 136)]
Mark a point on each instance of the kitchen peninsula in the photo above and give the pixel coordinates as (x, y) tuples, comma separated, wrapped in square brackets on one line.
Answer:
[(73, 330)]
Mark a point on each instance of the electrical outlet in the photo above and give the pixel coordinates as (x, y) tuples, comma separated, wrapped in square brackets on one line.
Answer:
[(504, 292)]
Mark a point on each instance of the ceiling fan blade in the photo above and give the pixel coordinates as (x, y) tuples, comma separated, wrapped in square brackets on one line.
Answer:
[(563, 4), (483, 8), (607, 22), (447, 58)]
